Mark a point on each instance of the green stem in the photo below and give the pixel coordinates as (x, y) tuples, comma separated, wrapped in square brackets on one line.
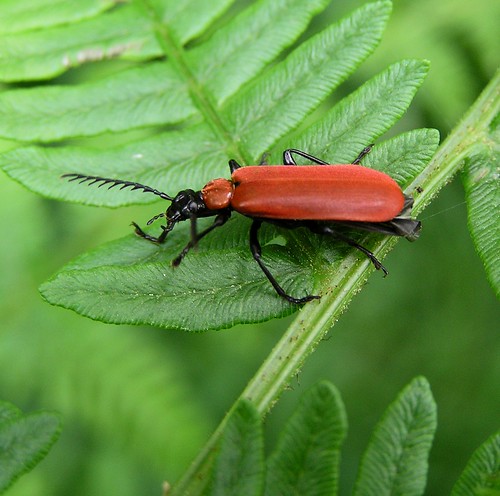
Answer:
[(175, 54), (316, 318), (472, 132)]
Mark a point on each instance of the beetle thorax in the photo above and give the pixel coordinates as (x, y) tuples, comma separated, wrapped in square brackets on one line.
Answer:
[(217, 194)]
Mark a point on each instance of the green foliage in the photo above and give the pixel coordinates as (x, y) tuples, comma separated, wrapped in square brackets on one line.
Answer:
[(481, 477), (306, 458), (395, 461), (24, 441), (113, 381), (238, 466), (461, 39), (136, 281), (18, 16), (304, 461), (139, 407), (483, 197)]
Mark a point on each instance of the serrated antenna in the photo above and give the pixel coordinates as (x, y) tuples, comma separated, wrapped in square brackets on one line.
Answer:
[(82, 178)]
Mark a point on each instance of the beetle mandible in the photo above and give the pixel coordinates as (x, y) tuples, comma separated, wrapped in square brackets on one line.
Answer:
[(317, 197)]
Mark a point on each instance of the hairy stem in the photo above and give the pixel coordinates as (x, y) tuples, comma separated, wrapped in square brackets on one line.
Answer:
[(317, 318)]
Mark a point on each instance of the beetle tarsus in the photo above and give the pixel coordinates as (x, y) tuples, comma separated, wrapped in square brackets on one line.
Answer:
[(145, 235), (376, 262)]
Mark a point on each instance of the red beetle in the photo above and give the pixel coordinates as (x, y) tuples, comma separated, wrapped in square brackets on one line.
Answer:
[(314, 196)]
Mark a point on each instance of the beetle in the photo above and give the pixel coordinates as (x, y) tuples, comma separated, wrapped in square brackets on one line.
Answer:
[(320, 197)]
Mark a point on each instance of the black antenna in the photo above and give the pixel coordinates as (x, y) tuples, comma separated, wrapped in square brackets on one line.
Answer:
[(82, 178)]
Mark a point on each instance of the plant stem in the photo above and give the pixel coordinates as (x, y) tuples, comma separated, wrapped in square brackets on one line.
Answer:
[(316, 318), (471, 133)]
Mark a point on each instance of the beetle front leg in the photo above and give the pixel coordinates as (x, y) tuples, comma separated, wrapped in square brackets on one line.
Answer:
[(157, 240), (257, 253), (220, 220)]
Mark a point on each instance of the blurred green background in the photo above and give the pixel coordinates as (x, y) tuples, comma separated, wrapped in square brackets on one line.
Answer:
[(138, 403)]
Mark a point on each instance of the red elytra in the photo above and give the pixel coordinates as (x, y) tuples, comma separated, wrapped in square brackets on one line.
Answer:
[(312, 192), (317, 192)]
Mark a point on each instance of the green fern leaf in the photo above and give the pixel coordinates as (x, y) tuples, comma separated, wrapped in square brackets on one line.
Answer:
[(481, 476), (18, 15), (306, 460), (395, 461), (131, 281), (24, 441), (239, 50), (146, 96), (239, 463), (483, 197), (49, 52)]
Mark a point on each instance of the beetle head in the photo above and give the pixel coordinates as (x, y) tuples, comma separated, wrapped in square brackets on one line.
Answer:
[(184, 206)]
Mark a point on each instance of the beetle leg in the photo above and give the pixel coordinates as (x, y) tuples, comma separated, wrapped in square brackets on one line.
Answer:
[(365, 152), (220, 220), (263, 159), (322, 229), (233, 165), (158, 240), (257, 253), (288, 159)]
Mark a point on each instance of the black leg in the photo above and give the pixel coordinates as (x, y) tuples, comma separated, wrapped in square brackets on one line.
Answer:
[(219, 221), (365, 152), (257, 252), (323, 229), (158, 240), (233, 165), (288, 159), (263, 159)]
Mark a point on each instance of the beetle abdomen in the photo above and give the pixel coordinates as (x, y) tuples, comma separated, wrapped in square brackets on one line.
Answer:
[(316, 192)]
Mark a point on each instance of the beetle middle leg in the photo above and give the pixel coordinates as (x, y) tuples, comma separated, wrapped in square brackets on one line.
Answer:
[(324, 229), (289, 160), (257, 253)]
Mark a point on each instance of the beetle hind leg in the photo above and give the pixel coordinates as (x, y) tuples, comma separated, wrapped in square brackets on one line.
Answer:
[(321, 229), (257, 252), (363, 154)]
